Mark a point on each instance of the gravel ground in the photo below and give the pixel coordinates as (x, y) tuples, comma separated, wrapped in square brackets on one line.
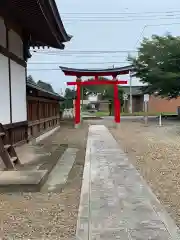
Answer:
[(46, 216), (155, 151)]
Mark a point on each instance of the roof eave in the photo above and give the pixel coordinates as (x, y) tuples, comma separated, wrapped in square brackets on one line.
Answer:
[(75, 71), (54, 10), (34, 44), (59, 33)]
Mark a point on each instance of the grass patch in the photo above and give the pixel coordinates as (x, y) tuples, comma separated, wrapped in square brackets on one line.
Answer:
[(103, 114)]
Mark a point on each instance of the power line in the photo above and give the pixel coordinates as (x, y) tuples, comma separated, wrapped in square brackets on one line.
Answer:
[(44, 69), (96, 56), (152, 25), (87, 56), (81, 52), (121, 17), (81, 55), (89, 63), (121, 13), (90, 51), (116, 21), (75, 63), (139, 38)]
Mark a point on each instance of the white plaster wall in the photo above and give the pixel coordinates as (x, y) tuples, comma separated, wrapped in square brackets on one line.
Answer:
[(4, 91), (15, 44), (18, 92), (2, 33)]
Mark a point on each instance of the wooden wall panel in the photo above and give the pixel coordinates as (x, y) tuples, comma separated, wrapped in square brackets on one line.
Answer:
[(43, 115)]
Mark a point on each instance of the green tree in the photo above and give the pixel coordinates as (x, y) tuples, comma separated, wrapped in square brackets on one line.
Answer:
[(106, 91), (109, 93), (97, 88), (158, 65), (69, 95)]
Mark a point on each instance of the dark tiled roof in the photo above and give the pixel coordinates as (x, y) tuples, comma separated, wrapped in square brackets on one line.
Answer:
[(39, 19), (101, 72), (35, 86)]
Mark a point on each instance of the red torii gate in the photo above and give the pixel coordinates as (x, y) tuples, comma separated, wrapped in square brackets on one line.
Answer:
[(78, 73)]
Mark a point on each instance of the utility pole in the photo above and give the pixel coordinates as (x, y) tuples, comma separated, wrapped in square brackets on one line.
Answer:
[(146, 100), (130, 92)]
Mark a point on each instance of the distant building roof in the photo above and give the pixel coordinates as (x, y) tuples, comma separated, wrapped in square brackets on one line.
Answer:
[(35, 86), (136, 90)]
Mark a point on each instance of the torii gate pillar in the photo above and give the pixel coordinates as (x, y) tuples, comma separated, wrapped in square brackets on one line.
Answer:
[(78, 104), (117, 106)]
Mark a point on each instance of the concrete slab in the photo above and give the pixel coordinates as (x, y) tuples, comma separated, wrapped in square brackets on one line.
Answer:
[(115, 202), (59, 175), (22, 181), (21, 177)]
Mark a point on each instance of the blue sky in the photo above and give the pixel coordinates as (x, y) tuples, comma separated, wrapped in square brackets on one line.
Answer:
[(117, 35)]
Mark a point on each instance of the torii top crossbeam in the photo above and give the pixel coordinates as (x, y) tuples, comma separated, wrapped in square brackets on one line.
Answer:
[(96, 72)]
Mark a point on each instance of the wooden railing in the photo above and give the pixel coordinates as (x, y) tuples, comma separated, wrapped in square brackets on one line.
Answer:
[(17, 133), (38, 127)]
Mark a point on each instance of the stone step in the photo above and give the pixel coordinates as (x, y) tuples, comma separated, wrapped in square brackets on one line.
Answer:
[(26, 179)]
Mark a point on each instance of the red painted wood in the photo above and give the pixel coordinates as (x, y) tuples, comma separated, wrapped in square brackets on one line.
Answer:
[(96, 78), (116, 105), (118, 113), (77, 105), (98, 82)]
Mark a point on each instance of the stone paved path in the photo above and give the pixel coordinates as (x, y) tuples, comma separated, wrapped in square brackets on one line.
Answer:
[(115, 201)]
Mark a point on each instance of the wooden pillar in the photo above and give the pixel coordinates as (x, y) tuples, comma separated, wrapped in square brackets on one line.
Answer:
[(78, 104), (117, 104), (96, 78)]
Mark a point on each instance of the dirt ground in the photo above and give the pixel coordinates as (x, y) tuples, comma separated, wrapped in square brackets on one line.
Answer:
[(155, 151), (47, 215)]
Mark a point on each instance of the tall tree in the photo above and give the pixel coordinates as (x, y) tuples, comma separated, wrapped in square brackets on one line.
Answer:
[(30, 79), (158, 65), (69, 95)]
